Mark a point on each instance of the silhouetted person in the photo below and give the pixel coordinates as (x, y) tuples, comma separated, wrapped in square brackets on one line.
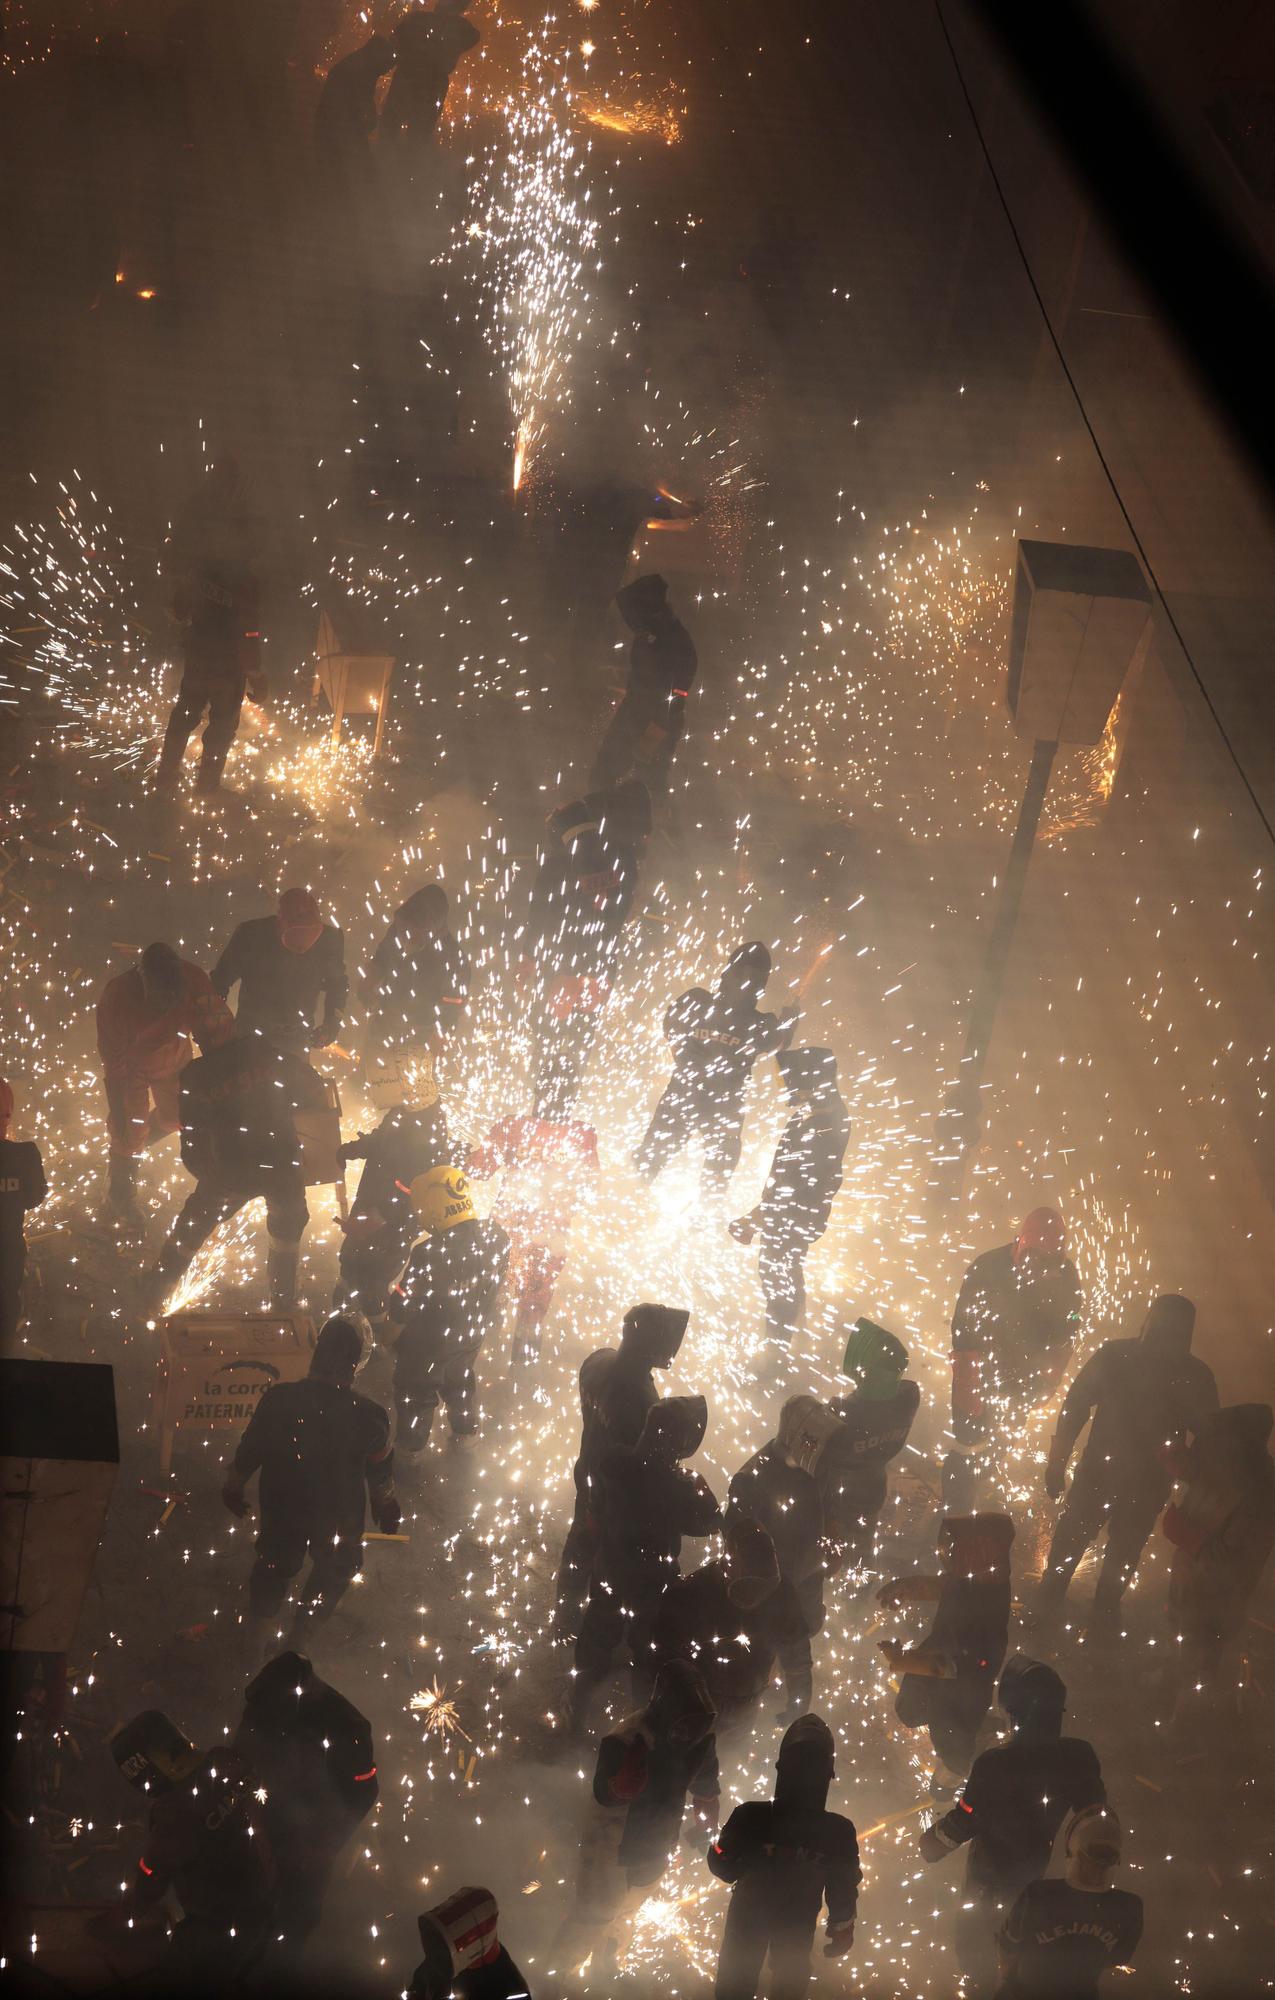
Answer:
[(803, 1182), (642, 736), (290, 971), (427, 48), (1060, 1937), (345, 118), (22, 1187), (221, 668), (1222, 1527)]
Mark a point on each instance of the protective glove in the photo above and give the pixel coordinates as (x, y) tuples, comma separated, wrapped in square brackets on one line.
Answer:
[(901, 1591), (893, 1651), (352, 1149), (389, 1516), (743, 1229), (234, 1497), (324, 1036), (840, 1940), (1055, 1475), (930, 1846)]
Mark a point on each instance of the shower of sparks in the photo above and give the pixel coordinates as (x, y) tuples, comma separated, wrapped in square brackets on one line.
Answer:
[(438, 1712)]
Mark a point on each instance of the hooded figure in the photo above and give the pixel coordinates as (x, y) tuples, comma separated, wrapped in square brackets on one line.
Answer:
[(647, 1502), (22, 1186), (949, 1677), (311, 1752), (1060, 1937), (1144, 1396), (1222, 1527), (734, 1618), (779, 1489), (445, 1304), (290, 971), (645, 1768), (645, 730), (875, 1423), (801, 1186), (427, 48), (220, 611), (239, 1106), (322, 1452), (785, 1858), (381, 1225), (205, 1841), (464, 1958), (716, 1039), (146, 1020), (1012, 1805), (1015, 1325), (345, 117), (417, 986), (580, 1549)]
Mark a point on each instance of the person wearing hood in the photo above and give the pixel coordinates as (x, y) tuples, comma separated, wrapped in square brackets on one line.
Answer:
[(580, 902), (417, 986), (1222, 1528), (380, 1229), (778, 1488), (645, 730), (239, 1106), (444, 1306), (1061, 1936), (22, 1187), (464, 1958), (345, 117), (617, 1388), (321, 1452), (716, 1039), (220, 611), (312, 1754), (290, 971), (645, 1768), (874, 1423), (785, 1858), (427, 48), (206, 1843), (546, 1163), (1143, 1396), (800, 1188), (648, 1501), (1012, 1805), (735, 1618), (1017, 1317), (948, 1679), (147, 1019)]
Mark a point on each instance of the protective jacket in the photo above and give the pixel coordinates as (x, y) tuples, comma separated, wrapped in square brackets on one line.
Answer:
[(787, 1503), (207, 1842), (734, 1649), (806, 1171), (320, 1449), (447, 1299), (1060, 1940), (799, 1858), (418, 988), (280, 991), (135, 1043), (1014, 1326), (1014, 1801), (238, 1112), (1222, 1525), (852, 1469), (1143, 1397)]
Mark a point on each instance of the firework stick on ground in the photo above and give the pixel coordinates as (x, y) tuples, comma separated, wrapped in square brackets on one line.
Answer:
[(375, 1535), (896, 1819)]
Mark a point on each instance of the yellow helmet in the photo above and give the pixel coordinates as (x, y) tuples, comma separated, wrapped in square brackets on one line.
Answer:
[(442, 1198)]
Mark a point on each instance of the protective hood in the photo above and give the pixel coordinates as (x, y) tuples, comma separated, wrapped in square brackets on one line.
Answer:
[(299, 922), (654, 1333), (806, 1765), (161, 971), (807, 1071), (674, 1428), (750, 966), (875, 1359), (271, 1698), (1096, 1833), (978, 1544), (461, 1932), (680, 1703), (1032, 1695), (424, 911), (343, 1346), (752, 1567), (806, 1427), (1169, 1324), (442, 1198), (1043, 1231), (151, 1752), (641, 602), (1249, 1424)]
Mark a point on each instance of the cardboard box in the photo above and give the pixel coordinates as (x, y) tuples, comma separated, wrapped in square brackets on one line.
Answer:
[(216, 1366), (320, 1136)]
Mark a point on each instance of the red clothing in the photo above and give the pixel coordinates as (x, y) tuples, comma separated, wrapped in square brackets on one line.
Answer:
[(543, 1162), (143, 1054)]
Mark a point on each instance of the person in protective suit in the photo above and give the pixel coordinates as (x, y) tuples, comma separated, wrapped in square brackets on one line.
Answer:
[(580, 903), (239, 1106), (311, 1752), (444, 1306), (874, 1423), (1012, 1805), (716, 1039), (427, 48), (734, 1618), (647, 1503), (220, 611), (800, 1188), (345, 117), (778, 1489), (464, 1958), (380, 1229), (948, 1679), (284, 967), (206, 1841), (1016, 1320), (646, 1767), (321, 1452), (1222, 1528), (417, 986), (22, 1187), (1143, 1395), (642, 736), (785, 1858), (545, 1162), (147, 1018), (1060, 1937), (617, 1388)]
